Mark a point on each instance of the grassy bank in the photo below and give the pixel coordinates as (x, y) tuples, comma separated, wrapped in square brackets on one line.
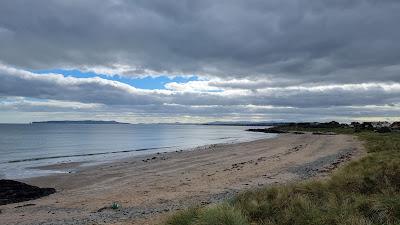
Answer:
[(363, 192)]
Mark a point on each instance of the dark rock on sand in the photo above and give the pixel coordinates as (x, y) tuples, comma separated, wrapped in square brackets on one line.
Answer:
[(13, 191)]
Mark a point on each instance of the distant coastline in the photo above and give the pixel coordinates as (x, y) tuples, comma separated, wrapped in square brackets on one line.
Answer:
[(216, 123), (78, 122)]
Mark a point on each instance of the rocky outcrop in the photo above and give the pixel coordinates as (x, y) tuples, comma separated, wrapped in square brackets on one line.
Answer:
[(14, 191)]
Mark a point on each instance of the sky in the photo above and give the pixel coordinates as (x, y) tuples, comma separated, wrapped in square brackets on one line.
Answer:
[(149, 61)]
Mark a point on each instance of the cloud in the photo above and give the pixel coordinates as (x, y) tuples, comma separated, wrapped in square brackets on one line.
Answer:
[(201, 94), (16, 82), (253, 84), (191, 86), (30, 105), (304, 40), (272, 59)]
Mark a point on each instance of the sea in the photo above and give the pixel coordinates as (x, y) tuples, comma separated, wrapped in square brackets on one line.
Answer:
[(24, 147)]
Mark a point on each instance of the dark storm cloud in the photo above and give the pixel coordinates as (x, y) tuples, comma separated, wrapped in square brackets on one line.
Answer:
[(305, 40)]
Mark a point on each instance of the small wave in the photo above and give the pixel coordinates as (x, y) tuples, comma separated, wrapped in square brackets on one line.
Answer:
[(222, 138), (87, 154)]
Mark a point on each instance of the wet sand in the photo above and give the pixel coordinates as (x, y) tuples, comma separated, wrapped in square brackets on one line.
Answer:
[(150, 187)]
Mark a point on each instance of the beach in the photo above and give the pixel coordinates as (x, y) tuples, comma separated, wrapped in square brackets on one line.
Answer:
[(150, 187)]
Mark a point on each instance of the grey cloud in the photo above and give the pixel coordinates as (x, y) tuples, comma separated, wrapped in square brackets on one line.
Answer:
[(14, 82), (301, 97), (172, 113), (253, 84), (247, 112), (24, 105), (308, 40)]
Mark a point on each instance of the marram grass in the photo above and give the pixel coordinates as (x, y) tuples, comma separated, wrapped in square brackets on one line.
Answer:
[(364, 192), (223, 214)]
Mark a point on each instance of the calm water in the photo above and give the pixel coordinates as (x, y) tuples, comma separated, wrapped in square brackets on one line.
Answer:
[(25, 146)]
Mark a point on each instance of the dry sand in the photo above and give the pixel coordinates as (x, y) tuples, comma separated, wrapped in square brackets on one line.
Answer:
[(150, 187)]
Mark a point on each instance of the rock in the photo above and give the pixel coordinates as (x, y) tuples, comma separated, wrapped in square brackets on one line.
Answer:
[(13, 191)]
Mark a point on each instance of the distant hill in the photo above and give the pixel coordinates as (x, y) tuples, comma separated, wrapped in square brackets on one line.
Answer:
[(78, 122)]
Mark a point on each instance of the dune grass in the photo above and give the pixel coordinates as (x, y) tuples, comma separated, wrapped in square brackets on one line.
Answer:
[(364, 192), (223, 214)]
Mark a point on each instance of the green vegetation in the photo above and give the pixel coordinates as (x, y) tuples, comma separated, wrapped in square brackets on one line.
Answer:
[(364, 192), (224, 214), (115, 205), (339, 130)]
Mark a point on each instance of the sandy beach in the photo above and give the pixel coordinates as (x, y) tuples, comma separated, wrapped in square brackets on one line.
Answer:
[(150, 187)]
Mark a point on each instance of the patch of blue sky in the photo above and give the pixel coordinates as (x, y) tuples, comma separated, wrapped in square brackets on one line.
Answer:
[(147, 82)]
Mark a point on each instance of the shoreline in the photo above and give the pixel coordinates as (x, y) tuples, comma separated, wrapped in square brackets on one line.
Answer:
[(153, 185), (75, 166), (82, 166), (72, 165)]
